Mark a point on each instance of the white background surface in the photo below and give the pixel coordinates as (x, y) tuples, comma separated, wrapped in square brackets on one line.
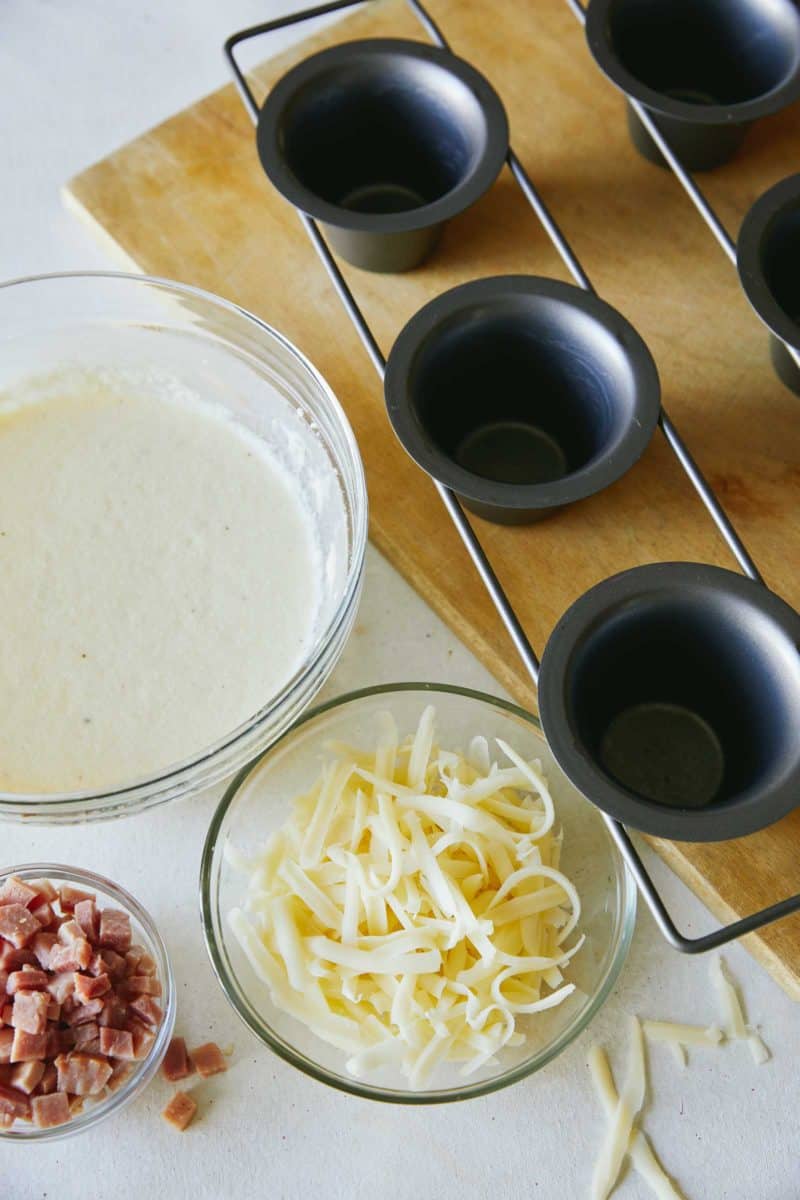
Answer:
[(77, 79)]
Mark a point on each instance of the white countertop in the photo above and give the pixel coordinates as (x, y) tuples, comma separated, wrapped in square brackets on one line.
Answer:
[(77, 79)]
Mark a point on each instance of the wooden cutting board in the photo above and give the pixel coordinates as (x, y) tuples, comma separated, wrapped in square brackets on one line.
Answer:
[(188, 200)]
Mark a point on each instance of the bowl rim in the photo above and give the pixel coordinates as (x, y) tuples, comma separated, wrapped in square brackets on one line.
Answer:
[(147, 1067), (781, 197), (755, 809), (594, 476), (625, 922), (741, 112), (478, 180), (50, 804)]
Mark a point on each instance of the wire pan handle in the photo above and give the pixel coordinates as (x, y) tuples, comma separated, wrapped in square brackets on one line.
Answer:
[(511, 622)]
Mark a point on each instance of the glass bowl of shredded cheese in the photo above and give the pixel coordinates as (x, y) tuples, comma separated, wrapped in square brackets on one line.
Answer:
[(407, 899)]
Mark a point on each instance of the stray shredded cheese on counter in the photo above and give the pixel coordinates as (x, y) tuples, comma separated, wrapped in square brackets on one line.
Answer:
[(412, 906), (641, 1152), (733, 1015), (623, 1118)]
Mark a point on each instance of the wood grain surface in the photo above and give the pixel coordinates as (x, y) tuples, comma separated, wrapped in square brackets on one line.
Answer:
[(188, 200)]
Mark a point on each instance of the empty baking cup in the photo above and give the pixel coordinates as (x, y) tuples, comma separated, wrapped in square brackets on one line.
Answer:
[(705, 69), (670, 696), (382, 141), (767, 256), (522, 394)]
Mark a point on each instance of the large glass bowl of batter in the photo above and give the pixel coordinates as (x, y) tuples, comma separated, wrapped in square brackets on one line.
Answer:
[(270, 393)]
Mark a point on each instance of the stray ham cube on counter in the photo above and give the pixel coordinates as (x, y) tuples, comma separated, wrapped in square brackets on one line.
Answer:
[(78, 1002)]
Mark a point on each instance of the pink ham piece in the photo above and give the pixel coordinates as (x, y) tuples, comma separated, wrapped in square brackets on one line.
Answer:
[(82, 1074), (17, 925), (31, 980), (108, 962), (115, 1011), (116, 1043), (87, 1037), (42, 947), (44, 890), (74, 957), (11, 959), (27, 1076), (208, 1060), (115, 930), (13, 1102), (85, 1012), (61, 986), (30, 1011), (6, 1042), (44, 914), (140, 985), (177, 1064), (69, 896), (49, 1080), (27, 1046), (88, 987), (122, 1071), (87, 917), (147, 1009), (142, 1040), (180, 1110), (15, 891), (50, 1110)]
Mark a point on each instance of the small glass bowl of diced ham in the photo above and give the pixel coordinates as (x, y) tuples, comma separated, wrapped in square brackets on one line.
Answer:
[(87, 1000)]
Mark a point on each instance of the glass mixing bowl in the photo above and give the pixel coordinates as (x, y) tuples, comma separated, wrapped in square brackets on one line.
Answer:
[(258, 802), (104, 320), (145, 933)]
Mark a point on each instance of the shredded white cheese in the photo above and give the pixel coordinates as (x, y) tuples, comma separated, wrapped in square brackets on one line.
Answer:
[(412, 906), (733, 1014), (684, 1035), (641, 1152), (623, 1119)]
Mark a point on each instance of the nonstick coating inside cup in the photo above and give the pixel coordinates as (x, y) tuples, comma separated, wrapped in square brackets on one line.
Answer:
[(706, 52), (383, 134), (525, 393), (683, 704)]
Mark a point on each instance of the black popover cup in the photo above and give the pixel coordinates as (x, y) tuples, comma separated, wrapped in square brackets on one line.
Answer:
[(768, 260), (522, 394), (670, 696), (382, 141), (704, 69)]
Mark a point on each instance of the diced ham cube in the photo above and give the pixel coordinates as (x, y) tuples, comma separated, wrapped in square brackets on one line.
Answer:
[(133, 958), (146, 965), (82, 1074), (85, 1012), (74, 957), (6, 1042), (147, 1009), (108, 962), (140, 985), (142, 1041), (75, 1105), (50, 1110), (26, 1076), (49, 1080), (42, 946), (62, 986), (17, 925), (44, 914), (116, 1043), (180, 1110), (31, 980), (53, 1010), (12, 959), (30, 1011), (115, 930), (87, 917), (7, 1013), (15, 891), (69, 896), (120, 1073), (115, 1011), (177, 1064), (86, 1034), (44, 890), (14, 1102), (69, 932), (58, 1041), (27, 1046), (208, 1060), (88, 987)]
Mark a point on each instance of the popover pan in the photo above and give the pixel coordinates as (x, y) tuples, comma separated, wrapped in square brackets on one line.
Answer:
[(670, 696), (705, 69), (382, 141), (522, 394)]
